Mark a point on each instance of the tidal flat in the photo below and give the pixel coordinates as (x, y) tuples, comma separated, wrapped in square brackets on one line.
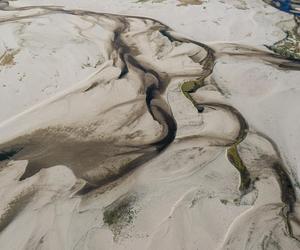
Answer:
[(149, 125)]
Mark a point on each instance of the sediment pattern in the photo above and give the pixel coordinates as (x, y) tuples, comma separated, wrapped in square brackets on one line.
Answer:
[(144, 106)]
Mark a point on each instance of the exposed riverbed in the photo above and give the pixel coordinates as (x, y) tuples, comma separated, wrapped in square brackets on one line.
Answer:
[(146, 146)]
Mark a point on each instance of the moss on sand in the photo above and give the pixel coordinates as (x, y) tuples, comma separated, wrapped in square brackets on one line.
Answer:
[(235, 159)]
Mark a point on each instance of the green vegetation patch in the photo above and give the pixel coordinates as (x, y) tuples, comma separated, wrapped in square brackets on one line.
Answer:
[(288, 47), (7, 59), (120, 214), (191, 87), (235, 159)]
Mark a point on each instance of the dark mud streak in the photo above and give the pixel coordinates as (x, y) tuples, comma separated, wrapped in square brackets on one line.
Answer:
[(287, 190), (244, 51), (121, 173), (208, 62), (288, 194), (244, 127), (41, 157)]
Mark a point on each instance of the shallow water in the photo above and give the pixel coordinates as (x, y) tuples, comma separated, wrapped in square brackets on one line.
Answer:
[(289, 6)]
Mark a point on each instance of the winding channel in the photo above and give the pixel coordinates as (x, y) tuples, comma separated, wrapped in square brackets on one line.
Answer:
[(33, 146)]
